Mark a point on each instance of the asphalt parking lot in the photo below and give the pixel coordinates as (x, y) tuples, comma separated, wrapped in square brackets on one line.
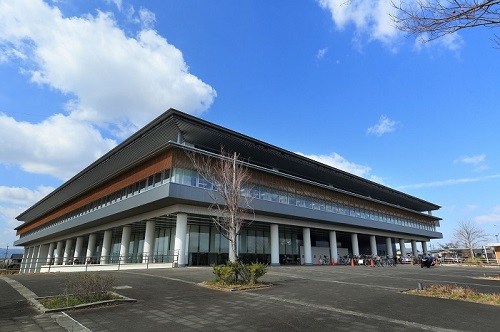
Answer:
[(302, 298)]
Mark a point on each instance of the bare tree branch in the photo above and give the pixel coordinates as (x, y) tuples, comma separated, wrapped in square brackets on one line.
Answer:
[(228, 178), (432, 19), (468, 236)]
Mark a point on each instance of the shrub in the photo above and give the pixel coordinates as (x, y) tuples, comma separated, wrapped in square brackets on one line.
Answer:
[(474, 261), (89, 286), (224, 273), (255, 271), (228, 273)]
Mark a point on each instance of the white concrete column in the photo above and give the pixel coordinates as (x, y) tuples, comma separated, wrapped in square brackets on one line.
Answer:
[(355, 245), (125, 243), (67, 251), (149, 242), (306, 234), (373, 245), (333, 247), (28, 259), (402, 247), (58, 254), (180, 238), (34, 256), (43, 252), (414, 248), (50, 254), (388, 244), (91, 248), (77, 256), (25, 262), (106, 246), (275, 245), (424, 247)]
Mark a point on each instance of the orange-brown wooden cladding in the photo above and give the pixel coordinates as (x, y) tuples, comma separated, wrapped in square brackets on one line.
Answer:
[(148, 168)]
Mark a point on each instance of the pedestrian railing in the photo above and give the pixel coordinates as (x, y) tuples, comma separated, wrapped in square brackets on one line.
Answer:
[(100, 263)]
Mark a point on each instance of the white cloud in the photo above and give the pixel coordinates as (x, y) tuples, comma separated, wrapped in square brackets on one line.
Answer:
[(321, 53), (23, 196), (384, 126), (337, 161), (492, 217), (114, 80), (471, 159), (452, 42), (13, 201), (117, 3), (449, 182), (372, 18), (59, 146), (478, 161), (147, 18), (369, 17)]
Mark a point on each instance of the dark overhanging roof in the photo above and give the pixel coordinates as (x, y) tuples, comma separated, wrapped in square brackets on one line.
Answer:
[(156, 136)]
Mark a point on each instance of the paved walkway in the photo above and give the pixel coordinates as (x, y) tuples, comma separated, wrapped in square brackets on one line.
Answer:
[(311, 298)]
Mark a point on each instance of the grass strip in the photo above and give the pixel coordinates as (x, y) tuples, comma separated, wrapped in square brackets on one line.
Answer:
[(70, 300), (455, 292)]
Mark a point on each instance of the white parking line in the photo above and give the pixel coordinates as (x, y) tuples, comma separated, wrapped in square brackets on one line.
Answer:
[(352, 313)]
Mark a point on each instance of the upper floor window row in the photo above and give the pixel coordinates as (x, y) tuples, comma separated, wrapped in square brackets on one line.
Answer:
[(192, 178)]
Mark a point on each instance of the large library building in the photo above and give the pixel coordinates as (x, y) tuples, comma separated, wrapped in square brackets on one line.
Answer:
[(144, 205)]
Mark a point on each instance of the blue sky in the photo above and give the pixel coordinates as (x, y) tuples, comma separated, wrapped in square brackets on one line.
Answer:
[(330, 80)]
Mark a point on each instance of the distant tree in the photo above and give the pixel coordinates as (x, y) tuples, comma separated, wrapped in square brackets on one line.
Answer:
[(229, 178), (450, 248), (469, 236), (432, 19)]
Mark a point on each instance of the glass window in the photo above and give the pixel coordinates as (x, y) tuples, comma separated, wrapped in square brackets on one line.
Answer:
[(274, 195), (214, 240), (254, 192), (282, 243), (136, 188), (243, 241), (291, 199), (267, 243), (259, 237), (166, 176), (151, 182), (204, 238), (283, 197), (265, 194), (142, 185), (308, 202), (251, 245), (203, 183), (224, 244), (157, 179), (194, 236)]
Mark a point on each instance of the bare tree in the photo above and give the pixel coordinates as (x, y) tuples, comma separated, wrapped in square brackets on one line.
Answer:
[(229, 179), (432, 19), (469, 236)]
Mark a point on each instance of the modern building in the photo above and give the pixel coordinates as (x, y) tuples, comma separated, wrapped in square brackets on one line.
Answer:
[(144, 203)]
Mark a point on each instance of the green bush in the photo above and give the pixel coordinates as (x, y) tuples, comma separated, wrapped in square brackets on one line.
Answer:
[(224, 273), (255, 271), (228, 273)]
